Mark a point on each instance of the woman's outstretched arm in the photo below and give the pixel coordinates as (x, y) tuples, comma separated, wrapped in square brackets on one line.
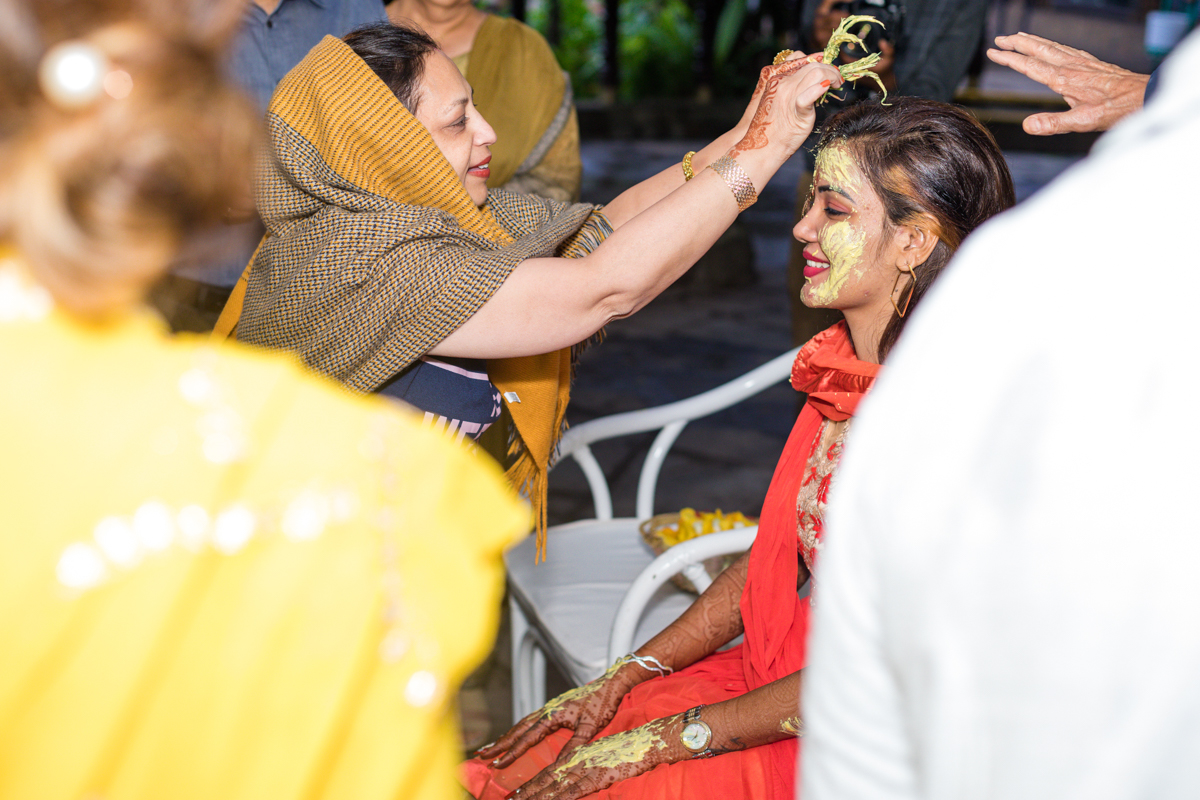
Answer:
[(550, 303), (713, 620)]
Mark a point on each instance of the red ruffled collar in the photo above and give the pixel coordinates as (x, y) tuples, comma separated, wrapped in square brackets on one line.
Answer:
[(832, 376)]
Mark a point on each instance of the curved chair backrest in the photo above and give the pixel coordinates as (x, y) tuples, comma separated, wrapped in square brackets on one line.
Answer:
[(671, 418)]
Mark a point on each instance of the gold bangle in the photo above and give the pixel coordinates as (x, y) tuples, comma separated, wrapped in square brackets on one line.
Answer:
[(738, 181), (781, 57), (687, 165)]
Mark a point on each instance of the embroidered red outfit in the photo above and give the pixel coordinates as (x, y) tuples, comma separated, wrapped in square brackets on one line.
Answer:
[(776, 620)]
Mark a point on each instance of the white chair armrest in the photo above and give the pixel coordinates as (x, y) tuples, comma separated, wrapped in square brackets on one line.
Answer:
[(660, 570)]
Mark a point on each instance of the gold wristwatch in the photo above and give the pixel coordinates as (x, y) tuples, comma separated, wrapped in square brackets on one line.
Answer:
[(696, 735)]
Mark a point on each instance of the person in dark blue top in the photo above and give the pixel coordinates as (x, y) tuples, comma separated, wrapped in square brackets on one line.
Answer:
[(455, 393), (272, 38), (276, 34)]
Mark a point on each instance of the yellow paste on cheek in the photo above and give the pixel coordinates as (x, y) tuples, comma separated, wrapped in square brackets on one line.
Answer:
[(793, 726), (842, 242), (628, 747)]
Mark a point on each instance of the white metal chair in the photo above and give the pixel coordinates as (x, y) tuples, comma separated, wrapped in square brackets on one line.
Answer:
[(602, 593)]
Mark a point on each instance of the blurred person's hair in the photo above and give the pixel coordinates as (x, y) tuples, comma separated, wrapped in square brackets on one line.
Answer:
[(99, 198), (396, 53), (934, 166)]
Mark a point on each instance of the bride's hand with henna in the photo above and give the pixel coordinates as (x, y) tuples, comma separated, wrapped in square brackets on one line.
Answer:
[(585, 710), (600, 764)]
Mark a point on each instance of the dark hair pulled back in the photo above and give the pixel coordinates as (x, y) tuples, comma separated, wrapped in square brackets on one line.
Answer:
[(396, 53), (934, 166)]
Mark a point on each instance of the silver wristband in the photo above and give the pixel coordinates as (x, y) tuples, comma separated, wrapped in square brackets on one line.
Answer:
[(649, 663)]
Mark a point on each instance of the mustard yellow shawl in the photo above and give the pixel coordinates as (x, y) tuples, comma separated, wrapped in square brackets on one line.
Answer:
[(375, 252)]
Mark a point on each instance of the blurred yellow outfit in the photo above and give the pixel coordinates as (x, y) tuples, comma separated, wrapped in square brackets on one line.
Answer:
[(221, 577)]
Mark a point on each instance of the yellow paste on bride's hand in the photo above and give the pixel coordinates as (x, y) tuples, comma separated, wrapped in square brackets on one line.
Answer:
[(578, 691), (627, 747)]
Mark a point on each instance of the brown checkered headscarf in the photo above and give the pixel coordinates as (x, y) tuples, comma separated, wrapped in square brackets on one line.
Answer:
[(375, 252)]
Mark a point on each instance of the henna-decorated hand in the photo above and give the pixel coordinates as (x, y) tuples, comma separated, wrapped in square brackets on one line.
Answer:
[(785, 112), (606, 761), (585, 710), (764, 75)]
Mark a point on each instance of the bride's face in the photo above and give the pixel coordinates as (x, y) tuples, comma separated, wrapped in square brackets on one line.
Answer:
[(446, 109), (849, 261)]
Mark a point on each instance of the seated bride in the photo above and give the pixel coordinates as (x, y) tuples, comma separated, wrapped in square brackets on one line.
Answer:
[(897, 188)]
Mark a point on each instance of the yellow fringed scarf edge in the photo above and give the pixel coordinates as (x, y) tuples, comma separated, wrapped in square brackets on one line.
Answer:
[(531, 446)]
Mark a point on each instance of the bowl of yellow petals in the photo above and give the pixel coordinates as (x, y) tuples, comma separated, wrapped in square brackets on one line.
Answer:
[(664, 531)]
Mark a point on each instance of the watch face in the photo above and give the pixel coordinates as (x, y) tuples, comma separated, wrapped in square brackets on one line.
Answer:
[(695, 736)]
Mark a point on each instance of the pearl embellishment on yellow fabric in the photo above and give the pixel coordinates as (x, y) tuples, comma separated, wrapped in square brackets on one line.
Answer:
[(20, 300)]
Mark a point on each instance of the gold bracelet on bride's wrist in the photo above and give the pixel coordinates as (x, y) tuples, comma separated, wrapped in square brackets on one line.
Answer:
[(687, 166)]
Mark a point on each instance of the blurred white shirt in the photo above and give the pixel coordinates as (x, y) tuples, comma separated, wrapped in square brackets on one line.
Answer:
[(1009, 602)]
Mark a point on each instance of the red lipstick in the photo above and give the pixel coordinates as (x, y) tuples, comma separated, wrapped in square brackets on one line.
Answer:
[(482, 169), (814, 265)]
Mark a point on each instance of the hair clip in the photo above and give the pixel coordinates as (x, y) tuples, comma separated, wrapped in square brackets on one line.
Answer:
[(74, 74)]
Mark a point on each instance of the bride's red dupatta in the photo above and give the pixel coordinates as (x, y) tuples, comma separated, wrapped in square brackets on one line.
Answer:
[(776, 619)]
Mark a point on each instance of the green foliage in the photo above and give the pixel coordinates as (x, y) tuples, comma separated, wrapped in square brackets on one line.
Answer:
[(581, 48), (738, 75), (729, 26), (657, 51), (658, 39)]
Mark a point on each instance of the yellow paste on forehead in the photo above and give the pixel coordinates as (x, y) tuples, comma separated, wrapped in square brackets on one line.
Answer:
[(628, 747), (837, 168), (842, 242)]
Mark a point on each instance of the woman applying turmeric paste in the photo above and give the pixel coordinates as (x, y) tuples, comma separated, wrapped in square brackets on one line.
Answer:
[(386, 254)]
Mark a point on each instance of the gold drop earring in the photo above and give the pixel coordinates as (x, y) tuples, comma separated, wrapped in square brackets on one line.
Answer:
[(912, 287)]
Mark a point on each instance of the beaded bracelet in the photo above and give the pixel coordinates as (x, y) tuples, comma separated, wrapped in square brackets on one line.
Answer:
[(687, 166), (649, 663), (737, 180)]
